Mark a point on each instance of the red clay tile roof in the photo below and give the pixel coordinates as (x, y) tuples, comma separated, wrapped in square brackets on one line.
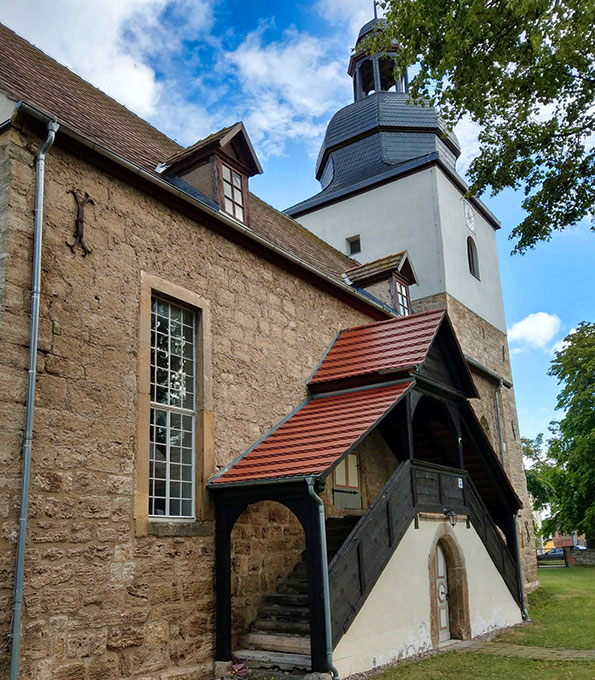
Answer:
[(385, 346), (314, 437), (28, 74)]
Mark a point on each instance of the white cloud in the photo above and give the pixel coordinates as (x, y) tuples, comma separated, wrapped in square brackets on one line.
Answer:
[(350, 13), (561, 345), (291, 87), (535, 330), (107, 41), (467, 133)]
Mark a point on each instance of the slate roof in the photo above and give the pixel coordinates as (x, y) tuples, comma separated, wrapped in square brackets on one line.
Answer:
[(28, 74), (381, 109), (391, 346), (314, 437)]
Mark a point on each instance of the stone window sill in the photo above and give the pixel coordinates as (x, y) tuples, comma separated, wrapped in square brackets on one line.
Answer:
[(162, 528)]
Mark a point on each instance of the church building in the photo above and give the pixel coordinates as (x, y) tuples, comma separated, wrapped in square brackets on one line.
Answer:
[(236, 435)]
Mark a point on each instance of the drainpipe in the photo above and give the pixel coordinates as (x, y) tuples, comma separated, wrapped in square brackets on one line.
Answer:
[(498, 420), (17, 606), (524, 612), (325, 584)]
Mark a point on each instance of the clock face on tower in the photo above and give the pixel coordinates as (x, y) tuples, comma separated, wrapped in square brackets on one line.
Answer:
[(469, 216)]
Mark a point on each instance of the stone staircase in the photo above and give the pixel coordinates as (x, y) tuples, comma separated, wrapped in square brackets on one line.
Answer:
[(278, 643)]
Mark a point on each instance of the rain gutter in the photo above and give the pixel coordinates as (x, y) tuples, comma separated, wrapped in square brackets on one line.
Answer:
[(220, 216), (524, 611), (325, 583), (17, 606)]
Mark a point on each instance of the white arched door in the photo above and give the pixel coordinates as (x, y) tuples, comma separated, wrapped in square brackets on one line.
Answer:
[(442, 595)]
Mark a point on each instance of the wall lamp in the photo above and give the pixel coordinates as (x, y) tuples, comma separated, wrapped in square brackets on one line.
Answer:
[(451, 515)]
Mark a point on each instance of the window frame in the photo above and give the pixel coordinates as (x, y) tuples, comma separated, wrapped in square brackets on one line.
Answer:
[(350, 241), (401, 289), (233, 168), (345, 463), (170, 410), (203, 435), (472, 257)]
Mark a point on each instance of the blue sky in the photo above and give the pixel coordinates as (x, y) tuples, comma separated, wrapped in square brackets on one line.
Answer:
[(191, 67)]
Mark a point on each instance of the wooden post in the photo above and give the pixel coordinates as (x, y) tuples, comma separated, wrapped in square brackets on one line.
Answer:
[(318, 642)]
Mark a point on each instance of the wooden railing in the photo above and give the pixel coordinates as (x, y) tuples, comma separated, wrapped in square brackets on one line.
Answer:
[(414, 487)]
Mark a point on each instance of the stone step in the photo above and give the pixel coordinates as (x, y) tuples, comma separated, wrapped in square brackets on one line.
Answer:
[(291, 599), (257, 658), (299, 587), (273, 642), (274, 625), (284, 613)]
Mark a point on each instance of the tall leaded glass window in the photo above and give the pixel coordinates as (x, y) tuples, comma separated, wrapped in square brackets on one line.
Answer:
[(173, 394)]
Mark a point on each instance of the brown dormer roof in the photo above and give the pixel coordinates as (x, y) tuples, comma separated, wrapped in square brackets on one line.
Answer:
[(234, 136), (377, 270)]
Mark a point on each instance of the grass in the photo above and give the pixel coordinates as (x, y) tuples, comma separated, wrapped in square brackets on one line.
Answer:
[(464, 666), (563, 615), (562, 611)]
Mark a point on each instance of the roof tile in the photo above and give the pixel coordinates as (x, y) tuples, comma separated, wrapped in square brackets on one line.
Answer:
[(315, 437)]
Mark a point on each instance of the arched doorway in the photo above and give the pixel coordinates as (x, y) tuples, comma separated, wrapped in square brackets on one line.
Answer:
[(449, 594), (442, 596), (267, 541)]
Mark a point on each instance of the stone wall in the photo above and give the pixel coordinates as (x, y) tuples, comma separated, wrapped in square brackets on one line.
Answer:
[(267, 542), (489, 346), (584, 558), (102, 600)]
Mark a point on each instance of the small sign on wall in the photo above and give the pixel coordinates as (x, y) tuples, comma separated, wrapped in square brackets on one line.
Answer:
[(460, 482)]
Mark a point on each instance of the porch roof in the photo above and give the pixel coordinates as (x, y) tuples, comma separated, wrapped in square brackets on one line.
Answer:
[(396, 345), (315, 436)]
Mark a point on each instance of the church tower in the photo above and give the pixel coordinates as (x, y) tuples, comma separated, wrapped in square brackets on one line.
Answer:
[(389, 183)]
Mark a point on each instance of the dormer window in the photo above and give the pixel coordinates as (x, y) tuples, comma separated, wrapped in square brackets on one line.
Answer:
[(387, 279), (215, 171), (401, 301), (233, 202)]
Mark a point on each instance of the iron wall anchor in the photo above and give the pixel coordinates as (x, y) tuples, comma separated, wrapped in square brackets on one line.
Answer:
[(79, 223)]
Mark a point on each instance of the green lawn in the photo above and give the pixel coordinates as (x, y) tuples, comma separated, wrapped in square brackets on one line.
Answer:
[(563, 614), (562, 611), (464, 666)]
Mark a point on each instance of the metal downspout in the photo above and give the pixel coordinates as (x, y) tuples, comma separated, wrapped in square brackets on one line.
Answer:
[(17, 606), (325, 583), (524, 612), (499, 421)]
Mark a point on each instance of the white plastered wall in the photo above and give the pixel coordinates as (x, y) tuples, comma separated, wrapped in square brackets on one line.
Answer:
[(422, 213), (400, 215), (483, 296), (394, 622)]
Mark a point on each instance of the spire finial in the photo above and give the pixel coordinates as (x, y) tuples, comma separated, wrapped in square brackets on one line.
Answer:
[(375, 10)]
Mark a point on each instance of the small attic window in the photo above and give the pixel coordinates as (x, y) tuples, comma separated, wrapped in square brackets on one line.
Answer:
[(354, 245), (233, 199), (401, 299)]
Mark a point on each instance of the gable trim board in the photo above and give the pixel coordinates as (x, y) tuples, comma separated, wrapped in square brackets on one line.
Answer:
[(239, 230)]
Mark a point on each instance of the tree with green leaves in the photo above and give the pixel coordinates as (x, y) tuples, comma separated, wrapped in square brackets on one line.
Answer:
[(540, 471), (524, 70), (573, 444), (561, 474)]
